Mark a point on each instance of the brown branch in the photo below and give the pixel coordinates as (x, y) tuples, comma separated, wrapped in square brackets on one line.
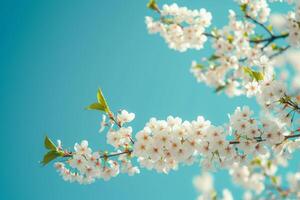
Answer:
[(112, 117), (105, 156), (270, 39), (260, 140), (280, 51), (210, 35), (292, 136), (260, 24)]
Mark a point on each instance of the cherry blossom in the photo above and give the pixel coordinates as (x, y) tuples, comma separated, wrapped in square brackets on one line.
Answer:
[(171, 26), (251, 55)]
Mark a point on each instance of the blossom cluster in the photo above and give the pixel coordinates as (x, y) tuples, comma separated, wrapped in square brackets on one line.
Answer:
[(250, 147), (204, 184), (181, 28), (294, 26), (292, 58), (238, 63), (260, 179), (263, 171), (242, 57), (163, 145), (258, 9), (85, 166)]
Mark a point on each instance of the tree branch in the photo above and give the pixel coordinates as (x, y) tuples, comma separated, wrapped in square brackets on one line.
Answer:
[(105, 156), (260, 24), (282, 50)]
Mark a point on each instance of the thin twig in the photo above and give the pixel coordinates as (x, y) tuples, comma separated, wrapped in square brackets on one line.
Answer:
[(260, 24), (260, 140), (105, 156), (280, 51)]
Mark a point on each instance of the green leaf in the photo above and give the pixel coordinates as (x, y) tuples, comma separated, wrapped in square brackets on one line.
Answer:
[(49, 144), (269, 164), (247, 70), (258, 76), (51, 155), (101, 105), (214, 195), (214, 32), (270, 28), (152, 5), (256, 161), (198, 66), (95, 106), (243, 7), (102, 101), (167, 20), (257, 37), (274, 180), (230, 38), (213, 57), (220, 88), (275, 47)]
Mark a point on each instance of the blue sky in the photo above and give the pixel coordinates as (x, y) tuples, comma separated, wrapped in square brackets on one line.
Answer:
[(55, 54)]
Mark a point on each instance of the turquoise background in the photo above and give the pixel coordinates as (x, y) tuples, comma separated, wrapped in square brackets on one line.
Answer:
[(55, 54)]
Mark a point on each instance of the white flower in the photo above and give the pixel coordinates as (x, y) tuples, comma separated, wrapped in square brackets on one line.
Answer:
[(78, 162), (114, 138), (140, 149), (103, 124), (294, 28), (204, 183), (247, 146), (181, 28), (145, 162), (278, 21), (125, 117), (82, 149), (144, 135), (161, 139), (252, 88), (119, 137), (294, 181), (154, 152), (227, 195), (174, 121), (240, 174), (93, 159)]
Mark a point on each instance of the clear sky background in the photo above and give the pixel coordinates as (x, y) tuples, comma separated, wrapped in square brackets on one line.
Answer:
[(55, 54)]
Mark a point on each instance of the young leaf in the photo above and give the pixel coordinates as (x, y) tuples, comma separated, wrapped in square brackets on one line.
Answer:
[(213, 57), (274, 180), (198, 66), (167, 20), (49, 144), (101, 105), (102, 101), (230, 38), (257, 37), (220, 88), (258, 76), (243, 8), (152, 5), (95, 106), (51, 155), (274, 46), (248, 70), (270, 28), (256, 161)]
